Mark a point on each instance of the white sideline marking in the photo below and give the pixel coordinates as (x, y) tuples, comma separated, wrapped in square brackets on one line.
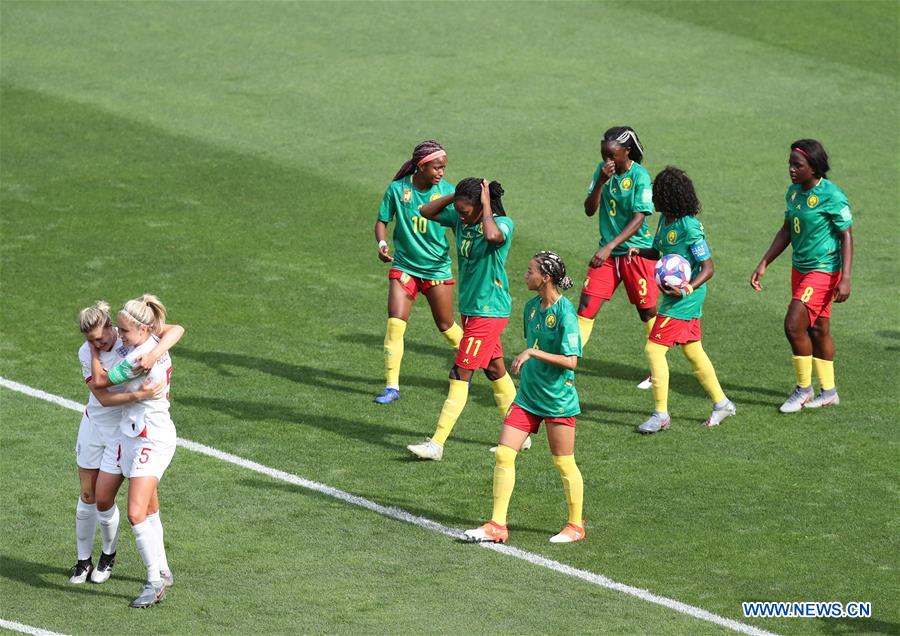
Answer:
[(26, 629), (422, 522)]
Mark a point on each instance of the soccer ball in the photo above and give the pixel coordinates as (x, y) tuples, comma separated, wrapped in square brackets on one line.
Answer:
[(673, 270)]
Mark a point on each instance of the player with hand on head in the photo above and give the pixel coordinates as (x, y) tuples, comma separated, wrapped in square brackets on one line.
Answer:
[(97, 446), (621, 189), (148, 435), (546, 393), (483, 238), (421, 259), (817, 225), (678, 323)]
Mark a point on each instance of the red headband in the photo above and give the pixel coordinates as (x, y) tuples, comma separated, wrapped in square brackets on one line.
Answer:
[(802, 152), (437, 154)]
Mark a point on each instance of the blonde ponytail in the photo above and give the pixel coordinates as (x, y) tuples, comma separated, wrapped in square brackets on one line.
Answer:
[(147, 311)]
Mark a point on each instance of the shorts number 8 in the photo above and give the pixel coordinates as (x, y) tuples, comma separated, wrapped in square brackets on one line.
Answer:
[(807, 294)]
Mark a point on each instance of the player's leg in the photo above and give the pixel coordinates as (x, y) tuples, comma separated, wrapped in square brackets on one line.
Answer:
[(637, 278), (155, 520), (108, 516), (457, 396), (561, 437), (706, 375), (440, 299), (141, 490), (599, 286), (400, 301), (796, 328), (823, 363), (504, 389), (85, 525)]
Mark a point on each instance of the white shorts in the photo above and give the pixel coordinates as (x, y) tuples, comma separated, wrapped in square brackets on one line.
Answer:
[(148, 456), (98, 447)]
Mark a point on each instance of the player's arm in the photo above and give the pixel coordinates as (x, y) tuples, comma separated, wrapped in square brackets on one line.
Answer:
[(492, 232), (779, 243), (102, 379), (592, 202), (148, 390), (842, 291), (169, 336), (432, 210), (381, 238), (650, 253), (555, 359)]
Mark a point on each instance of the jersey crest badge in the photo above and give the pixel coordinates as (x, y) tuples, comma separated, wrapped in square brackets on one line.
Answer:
[(626, 183), (550, 321), (812, 201), (407, 196), (671, 237)]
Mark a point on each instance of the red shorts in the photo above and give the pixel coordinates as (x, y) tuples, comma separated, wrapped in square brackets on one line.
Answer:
[(815, 290), (480, 342), (413, 285), (670, 331), (519, 418), (637, 276)]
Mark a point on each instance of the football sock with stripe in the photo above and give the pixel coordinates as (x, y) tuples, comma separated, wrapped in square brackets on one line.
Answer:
[(453, 335), (453, 407), (659, 372), (393, 351), (803, 369), (504, 392), (703, 370), (573, 486), (504, 482), (85, 527), (825, 372)]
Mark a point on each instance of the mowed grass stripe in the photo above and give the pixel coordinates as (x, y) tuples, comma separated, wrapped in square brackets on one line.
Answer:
[(402, 515)]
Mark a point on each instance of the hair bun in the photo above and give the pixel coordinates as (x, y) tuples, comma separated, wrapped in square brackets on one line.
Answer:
[(496, 189)]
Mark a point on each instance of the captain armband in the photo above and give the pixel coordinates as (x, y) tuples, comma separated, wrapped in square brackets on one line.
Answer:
[(700, 250)]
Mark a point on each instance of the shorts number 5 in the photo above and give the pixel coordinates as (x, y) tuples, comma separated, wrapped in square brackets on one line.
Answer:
[(145, 456)]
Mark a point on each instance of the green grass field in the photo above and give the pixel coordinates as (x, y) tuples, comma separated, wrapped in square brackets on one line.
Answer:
[(230, 157)]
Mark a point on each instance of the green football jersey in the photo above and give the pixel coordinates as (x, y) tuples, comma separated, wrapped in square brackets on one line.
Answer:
[(685, 237), (622, 196), (483, 284), (545, 389), (421, 248), (817, 218)]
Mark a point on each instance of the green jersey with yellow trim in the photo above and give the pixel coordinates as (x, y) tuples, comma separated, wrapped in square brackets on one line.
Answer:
[(817, 217), (622, 196), (685, 237), (545, 389), (421, 248), (483, 284)]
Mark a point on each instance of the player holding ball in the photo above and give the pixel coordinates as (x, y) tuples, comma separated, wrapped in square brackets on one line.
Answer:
[(678, 320)]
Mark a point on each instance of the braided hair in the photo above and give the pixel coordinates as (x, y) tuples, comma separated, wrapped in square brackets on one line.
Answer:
[(422, 150), (552, 265), (673, 193), (470, 189), (628, 139), (815, 155)]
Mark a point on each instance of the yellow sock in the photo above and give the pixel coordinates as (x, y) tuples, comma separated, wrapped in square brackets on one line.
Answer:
[(504, 482), (504, 393), (648, 326), (825, 373), (393, 351), (585, 326), (453, 406), (573, 485), (703, 370), (453, 335), (803, 369), (659, 371)]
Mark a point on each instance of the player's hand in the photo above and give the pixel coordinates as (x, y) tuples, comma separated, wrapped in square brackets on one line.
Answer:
[(383, 254), (601, 256), (150, 389), (670, 291), (608, 170), (485, 197), (145, 362), (757, 275), (95, 353), (632, 252), (516, 365), (842, 291)]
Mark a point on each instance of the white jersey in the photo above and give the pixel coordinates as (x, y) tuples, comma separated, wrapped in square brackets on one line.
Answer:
[(102, 416), (151, 413)]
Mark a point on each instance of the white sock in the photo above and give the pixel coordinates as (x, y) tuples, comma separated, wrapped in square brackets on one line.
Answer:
[(85, 527), (109, 528), (156, 522), (145, 537)]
